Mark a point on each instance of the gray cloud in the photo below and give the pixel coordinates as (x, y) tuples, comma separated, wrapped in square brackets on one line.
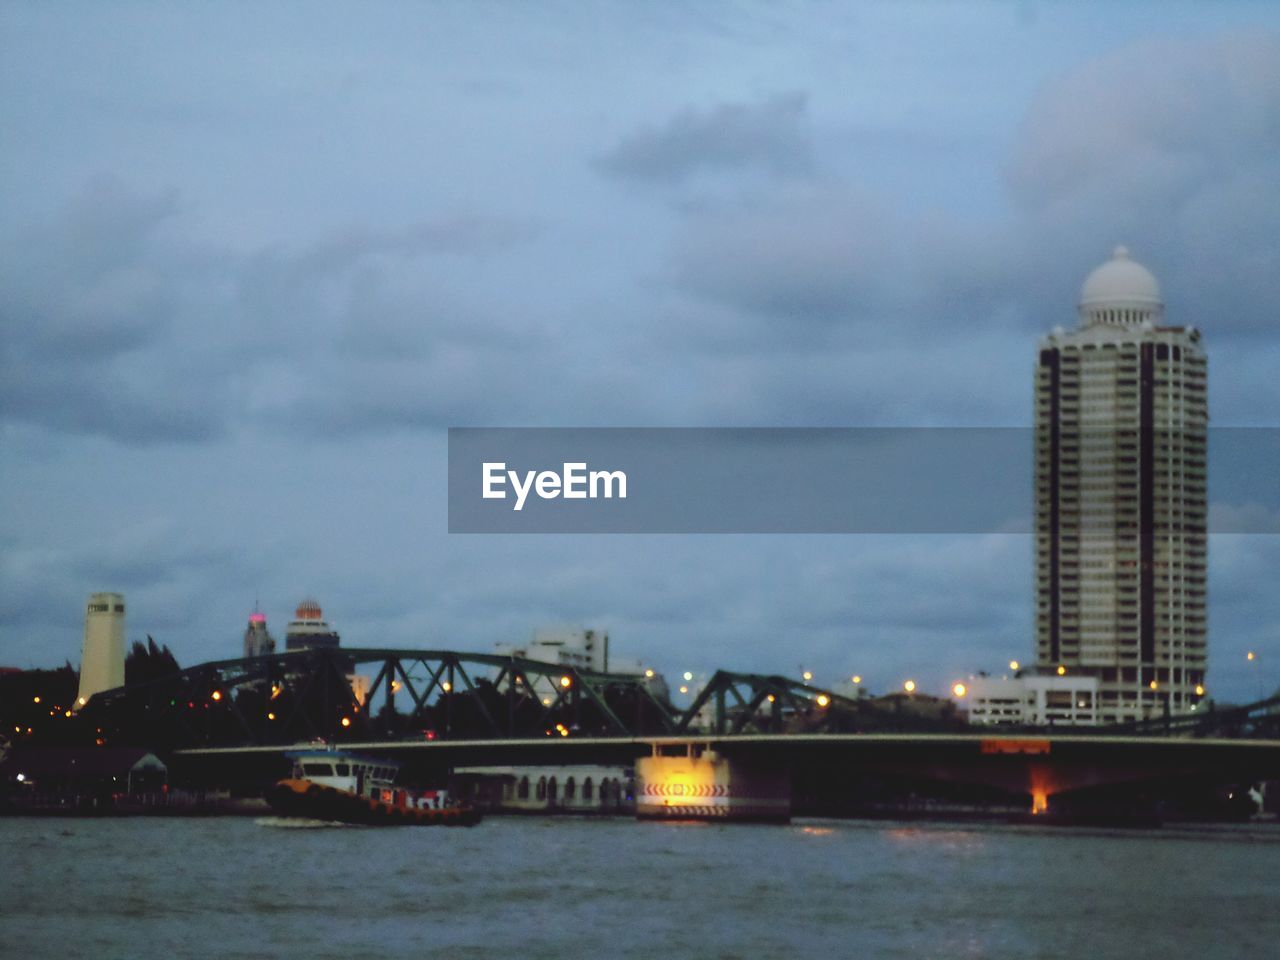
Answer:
[(770, 135), (118, 324), (1172, 146)]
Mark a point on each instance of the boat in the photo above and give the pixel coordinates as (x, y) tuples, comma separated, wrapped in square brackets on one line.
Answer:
[(328, 784)]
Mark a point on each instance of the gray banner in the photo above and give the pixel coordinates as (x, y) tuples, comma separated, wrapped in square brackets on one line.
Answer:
[(804, 480)]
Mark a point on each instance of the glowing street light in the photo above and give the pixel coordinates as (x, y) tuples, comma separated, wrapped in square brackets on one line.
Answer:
[(823, 700), (1014, 665), (1153, 685), (1199, 689), (688, 675), (648, 674), (683, 688), (909, 686), (959, 689), (566, 681), (446, 686), (807, 675), (1062, 671), (1251, 655), (856, 678), (346, 721)]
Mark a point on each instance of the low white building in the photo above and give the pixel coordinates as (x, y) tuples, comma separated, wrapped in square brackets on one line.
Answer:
[(582, 649), (1031, 700), (548, 789), (567, 646)]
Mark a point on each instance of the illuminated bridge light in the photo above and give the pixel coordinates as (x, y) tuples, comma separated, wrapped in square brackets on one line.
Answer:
[(823, 700), (446, 686), (566, 681)]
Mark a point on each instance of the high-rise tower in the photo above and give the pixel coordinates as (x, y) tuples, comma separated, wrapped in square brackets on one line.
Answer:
[(308, 630), (102, 657), (1121, 545), (258, 641)]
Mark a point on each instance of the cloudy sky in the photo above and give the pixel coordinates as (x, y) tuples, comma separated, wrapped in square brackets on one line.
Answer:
[(256, 259)]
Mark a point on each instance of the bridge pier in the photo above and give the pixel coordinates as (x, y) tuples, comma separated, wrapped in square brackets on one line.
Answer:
[(690, 781)]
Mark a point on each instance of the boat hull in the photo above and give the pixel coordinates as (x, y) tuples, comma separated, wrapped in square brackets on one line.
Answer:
[(302, 798)]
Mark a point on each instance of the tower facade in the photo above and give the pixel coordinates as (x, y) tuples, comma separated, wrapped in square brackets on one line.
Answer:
[(1121, 532), (258, 641), (308, 630), (102, 657)]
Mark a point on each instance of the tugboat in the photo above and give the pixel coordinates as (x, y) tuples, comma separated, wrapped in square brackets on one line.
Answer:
[(343, 787)]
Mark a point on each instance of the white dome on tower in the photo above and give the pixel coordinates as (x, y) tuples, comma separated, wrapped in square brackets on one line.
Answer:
[(1121, 292)]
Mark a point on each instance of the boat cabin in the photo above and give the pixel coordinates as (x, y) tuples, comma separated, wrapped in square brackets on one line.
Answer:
[(363, 776)]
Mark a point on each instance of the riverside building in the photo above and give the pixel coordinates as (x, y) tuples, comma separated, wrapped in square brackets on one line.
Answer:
[(1121, 546)]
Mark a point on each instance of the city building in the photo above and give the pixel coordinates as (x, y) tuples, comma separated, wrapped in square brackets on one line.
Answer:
[(102, 657), (1121, 546), (582, 649), (307, 630), (1031, 700), (567, 646), (258, 641)]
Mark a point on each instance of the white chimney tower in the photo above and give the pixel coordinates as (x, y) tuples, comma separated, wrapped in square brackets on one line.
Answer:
[(102, 660)]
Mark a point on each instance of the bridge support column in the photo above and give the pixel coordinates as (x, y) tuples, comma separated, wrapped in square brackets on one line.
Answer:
[(696, 783)]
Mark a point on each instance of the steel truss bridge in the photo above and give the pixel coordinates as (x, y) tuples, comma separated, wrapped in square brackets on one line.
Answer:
[(442, 695)]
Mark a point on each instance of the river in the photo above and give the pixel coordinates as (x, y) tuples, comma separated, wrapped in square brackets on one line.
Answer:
[(613, 888)]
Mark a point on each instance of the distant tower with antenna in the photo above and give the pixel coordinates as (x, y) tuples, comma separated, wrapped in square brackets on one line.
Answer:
[(258, 641), (102, 658)]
